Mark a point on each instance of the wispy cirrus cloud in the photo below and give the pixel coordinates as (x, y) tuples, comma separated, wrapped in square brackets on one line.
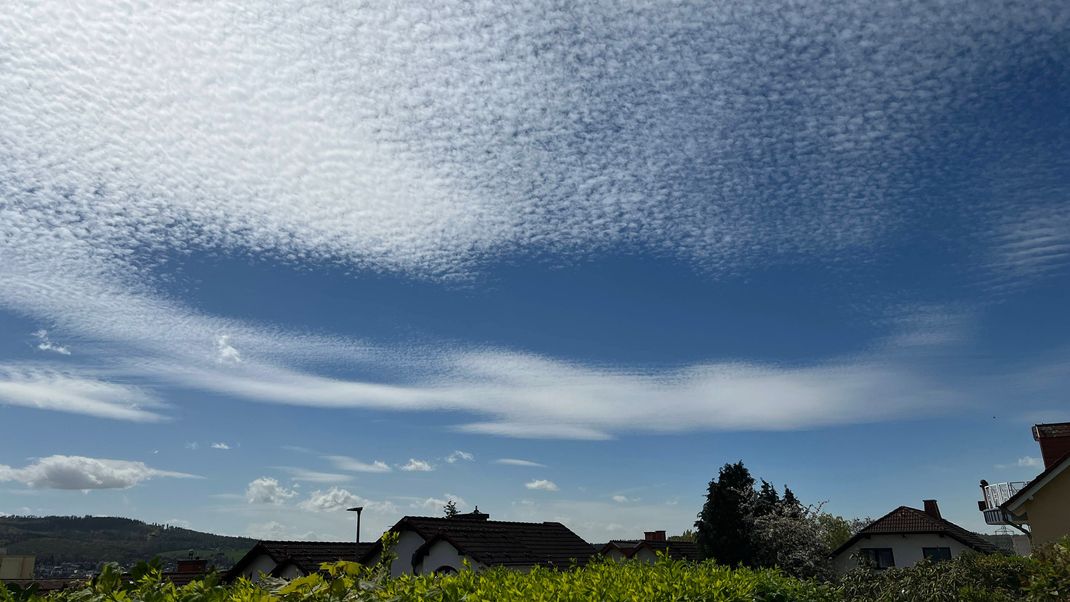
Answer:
[(355, 465), (313, 476), (63, 390), (518, 462), (1030, 244)]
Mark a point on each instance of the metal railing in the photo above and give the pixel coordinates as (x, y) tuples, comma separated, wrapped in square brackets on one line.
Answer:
[(997, 493)]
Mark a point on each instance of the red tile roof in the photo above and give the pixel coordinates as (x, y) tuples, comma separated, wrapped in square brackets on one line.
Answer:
[(906, 520)]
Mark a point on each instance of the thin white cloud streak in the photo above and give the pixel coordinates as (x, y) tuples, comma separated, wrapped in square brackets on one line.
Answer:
[(64, 391), (535, 397), (82, 473), (312, 476), (354, 465), (1030, 244), (518, 462), (1023, 462)]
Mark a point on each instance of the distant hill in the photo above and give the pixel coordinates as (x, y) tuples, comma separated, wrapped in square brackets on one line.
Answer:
[(91, 540)]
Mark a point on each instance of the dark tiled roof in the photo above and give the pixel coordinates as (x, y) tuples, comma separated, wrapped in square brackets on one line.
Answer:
[(502, 542), (48, 585), (677, 550), (306, 555), (180, 579), (911, 520)]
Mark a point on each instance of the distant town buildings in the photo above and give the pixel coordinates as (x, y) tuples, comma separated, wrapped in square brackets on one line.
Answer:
[(648, 548)]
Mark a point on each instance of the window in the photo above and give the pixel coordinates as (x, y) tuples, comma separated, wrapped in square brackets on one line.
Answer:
[(936, 554), (878, 558)]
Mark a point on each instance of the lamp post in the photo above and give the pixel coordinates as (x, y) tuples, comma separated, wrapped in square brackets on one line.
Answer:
[(358, 510)]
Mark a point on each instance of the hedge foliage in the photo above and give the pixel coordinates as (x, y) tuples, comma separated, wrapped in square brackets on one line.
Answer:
[(1044, 577)]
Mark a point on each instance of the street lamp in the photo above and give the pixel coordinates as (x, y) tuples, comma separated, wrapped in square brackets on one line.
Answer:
[(358, 510)]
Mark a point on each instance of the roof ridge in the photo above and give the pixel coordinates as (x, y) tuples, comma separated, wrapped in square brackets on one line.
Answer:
[(482, 522)]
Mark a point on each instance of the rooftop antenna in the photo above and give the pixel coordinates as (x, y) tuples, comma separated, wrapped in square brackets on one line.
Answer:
[(358, 510)]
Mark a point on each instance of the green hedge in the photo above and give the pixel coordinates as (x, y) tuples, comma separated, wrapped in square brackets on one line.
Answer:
[(1044, 577), (349, 582)]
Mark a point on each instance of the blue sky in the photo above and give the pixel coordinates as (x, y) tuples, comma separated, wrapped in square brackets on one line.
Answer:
[(261, 263)]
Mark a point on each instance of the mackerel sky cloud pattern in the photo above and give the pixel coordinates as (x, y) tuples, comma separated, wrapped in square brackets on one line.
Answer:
[(338, 237), (428, 140)]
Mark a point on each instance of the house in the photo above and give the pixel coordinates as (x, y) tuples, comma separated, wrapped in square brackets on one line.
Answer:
[(187, 571), (648, 548), (443, 545), (906, 535), (290, 559), (1040, 504)]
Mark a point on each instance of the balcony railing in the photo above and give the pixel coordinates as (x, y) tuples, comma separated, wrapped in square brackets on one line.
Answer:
[(997, 493)]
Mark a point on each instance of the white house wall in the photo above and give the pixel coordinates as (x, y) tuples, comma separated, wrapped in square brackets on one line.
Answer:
[(261, 564), (442, 553), (615, 554), (408, 543), (906, 549), (291, 572)]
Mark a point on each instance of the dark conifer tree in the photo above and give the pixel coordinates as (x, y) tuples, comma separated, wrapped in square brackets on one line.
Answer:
[(723, 525)]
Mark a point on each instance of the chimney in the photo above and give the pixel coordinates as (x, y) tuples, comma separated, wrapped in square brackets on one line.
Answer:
[(193, 565), (1054, 441), (654, 535), (932, 508), (475, 515)]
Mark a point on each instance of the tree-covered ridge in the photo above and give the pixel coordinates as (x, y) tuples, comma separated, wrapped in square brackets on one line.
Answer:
[(81, 540)]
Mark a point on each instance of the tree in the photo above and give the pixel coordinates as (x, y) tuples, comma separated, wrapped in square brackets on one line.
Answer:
[(687, 535), (768, 499), (724, 524), (836, 530), (792, 538), (450, 509)]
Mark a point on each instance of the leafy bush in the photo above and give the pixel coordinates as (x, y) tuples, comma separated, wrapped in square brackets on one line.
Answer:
[(1043, 577), (1050, 578), (967, 577)]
